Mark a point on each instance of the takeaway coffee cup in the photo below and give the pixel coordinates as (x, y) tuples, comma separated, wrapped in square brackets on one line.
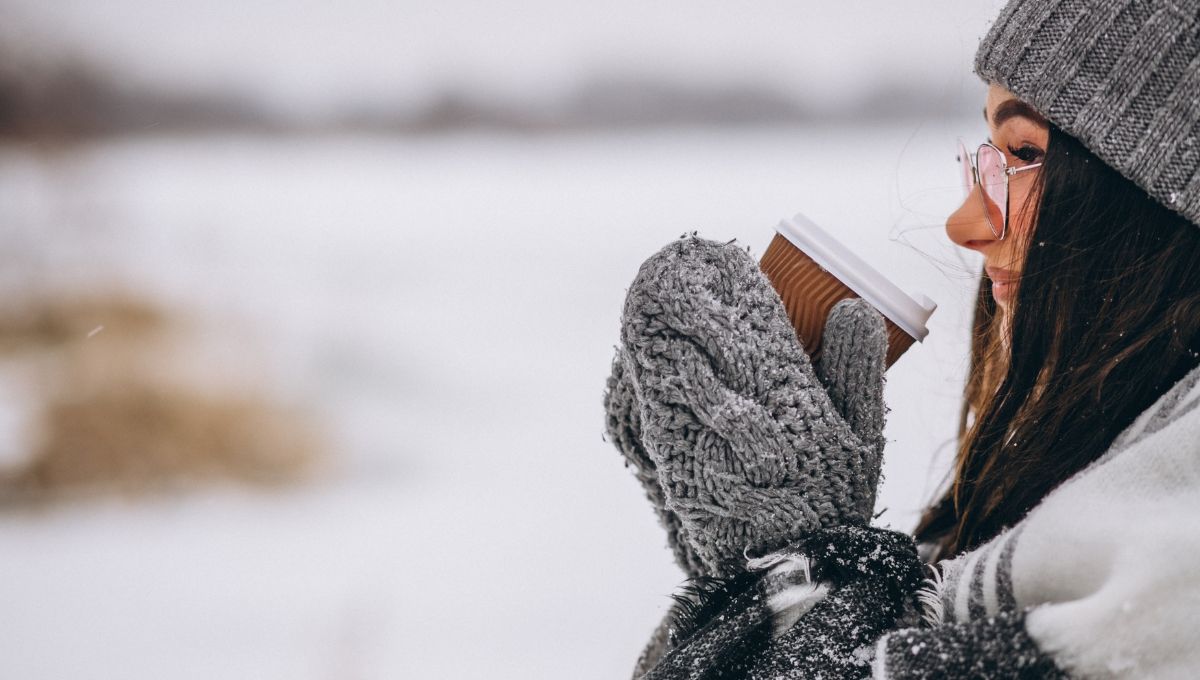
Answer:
[(812, 271)]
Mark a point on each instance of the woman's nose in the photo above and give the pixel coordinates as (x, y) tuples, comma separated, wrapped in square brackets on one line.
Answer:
[(968, 226)]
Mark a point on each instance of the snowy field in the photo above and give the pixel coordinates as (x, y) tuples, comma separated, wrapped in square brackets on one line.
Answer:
[(449, 305)]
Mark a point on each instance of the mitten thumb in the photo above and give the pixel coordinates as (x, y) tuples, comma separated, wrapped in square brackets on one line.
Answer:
[(851, 367)]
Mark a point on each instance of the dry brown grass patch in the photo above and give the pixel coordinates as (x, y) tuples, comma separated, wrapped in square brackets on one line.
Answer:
[(122, 410), (51, 323)]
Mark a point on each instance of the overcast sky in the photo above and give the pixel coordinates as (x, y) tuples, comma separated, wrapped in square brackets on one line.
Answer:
[(312, 55)]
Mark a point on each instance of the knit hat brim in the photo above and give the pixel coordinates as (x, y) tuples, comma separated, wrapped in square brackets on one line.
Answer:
[(1121, 76)]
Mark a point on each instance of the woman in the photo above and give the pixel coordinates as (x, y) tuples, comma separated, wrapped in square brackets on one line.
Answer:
[(1065, 544)]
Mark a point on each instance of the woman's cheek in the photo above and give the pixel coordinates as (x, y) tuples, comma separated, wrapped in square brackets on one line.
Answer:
[(1023, 211)]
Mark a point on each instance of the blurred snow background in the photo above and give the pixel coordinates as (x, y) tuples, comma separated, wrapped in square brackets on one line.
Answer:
[(415, 222)]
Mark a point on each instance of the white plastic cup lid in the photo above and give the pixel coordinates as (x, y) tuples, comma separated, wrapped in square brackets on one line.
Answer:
[(906, 312)]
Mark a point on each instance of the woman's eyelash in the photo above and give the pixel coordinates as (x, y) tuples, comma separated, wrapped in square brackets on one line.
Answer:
[(1026, 153)]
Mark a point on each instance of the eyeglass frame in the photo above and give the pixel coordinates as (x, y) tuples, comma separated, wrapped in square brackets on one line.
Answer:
[(973, 160)]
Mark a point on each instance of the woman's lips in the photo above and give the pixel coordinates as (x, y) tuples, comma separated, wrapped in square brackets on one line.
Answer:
[(1004, 283)]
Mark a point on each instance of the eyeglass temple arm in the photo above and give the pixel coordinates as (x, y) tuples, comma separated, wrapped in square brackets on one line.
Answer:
[(1013, 171)]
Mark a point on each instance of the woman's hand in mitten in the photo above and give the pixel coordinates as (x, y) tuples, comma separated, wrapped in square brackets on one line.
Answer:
[(623, 427), (751, 446)]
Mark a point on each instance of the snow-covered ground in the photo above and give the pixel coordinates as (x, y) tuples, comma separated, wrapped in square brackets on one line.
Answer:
[(450, 306)]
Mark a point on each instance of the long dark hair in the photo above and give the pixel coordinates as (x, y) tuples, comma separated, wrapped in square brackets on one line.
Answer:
[(1106, 318)]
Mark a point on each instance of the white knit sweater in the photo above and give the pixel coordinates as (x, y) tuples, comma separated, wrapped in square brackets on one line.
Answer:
[(1107, 566)]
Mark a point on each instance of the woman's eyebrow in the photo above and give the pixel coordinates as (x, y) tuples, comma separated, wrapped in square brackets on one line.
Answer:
[(1015, 107)]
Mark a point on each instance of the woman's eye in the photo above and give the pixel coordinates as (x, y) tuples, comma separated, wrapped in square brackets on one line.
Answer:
[(1028, 154)]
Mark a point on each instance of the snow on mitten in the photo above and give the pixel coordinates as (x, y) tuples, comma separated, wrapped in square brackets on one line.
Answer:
[(750, 448)]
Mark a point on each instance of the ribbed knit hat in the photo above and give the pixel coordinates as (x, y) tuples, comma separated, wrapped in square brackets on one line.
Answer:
[(1121, 76)]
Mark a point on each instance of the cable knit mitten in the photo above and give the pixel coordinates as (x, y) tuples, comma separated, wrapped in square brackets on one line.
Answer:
[(623, 427), (751, 447)]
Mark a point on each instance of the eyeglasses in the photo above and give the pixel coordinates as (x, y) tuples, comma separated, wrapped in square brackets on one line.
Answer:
[(989, 168)]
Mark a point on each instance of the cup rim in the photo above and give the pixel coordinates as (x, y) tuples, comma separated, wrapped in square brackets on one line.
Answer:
[(907, 312)]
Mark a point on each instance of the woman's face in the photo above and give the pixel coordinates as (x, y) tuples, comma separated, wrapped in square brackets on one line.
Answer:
[(1021, 134)]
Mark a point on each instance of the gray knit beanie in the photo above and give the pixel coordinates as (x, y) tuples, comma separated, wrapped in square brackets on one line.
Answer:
[(1121, 76)]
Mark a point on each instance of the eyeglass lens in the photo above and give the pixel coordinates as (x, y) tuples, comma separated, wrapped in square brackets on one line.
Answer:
[(991, 166), (994, 190)]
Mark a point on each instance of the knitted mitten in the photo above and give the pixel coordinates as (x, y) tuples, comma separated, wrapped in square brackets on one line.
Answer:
[(751, 447), (624, 430)]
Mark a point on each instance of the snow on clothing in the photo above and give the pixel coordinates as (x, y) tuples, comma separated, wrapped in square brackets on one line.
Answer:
[(1099, 580), (812, 609)]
